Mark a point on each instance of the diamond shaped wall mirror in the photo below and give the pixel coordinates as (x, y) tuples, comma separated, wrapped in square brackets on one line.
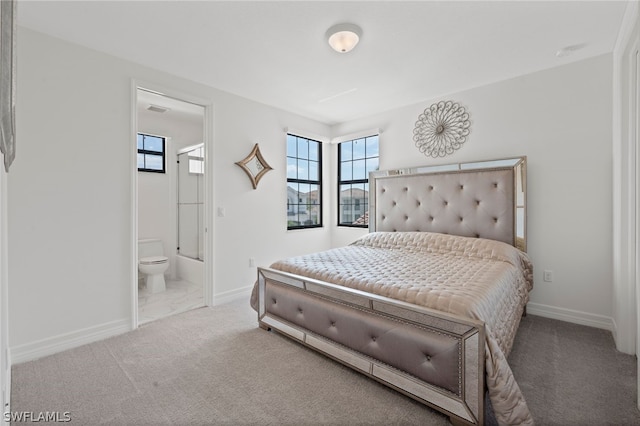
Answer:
[(254, 165)]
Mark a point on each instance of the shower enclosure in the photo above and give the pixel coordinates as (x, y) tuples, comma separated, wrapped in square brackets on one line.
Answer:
[(191, 202)]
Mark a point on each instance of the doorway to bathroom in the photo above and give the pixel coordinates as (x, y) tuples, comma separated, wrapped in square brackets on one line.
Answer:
[(171, 200)]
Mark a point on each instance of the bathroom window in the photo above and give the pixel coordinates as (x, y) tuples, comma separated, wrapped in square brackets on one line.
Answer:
[(151, 153), (196, 167), (356, 158), (196, 161), (304, 183)]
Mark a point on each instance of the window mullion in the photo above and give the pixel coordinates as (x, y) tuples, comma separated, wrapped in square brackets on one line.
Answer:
[(160, 155), (353, 208)]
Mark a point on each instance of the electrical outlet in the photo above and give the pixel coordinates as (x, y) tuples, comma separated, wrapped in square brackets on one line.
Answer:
[(252, 262), (548, 276)]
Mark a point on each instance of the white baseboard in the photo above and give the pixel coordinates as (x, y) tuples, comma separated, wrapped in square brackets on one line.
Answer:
[(232, 295), (569, 315), (62, 342)]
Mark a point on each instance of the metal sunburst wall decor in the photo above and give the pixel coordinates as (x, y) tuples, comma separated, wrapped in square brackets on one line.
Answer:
[(441, 129)]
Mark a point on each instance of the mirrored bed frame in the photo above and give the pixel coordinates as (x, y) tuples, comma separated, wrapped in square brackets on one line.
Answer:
[(448, 202)]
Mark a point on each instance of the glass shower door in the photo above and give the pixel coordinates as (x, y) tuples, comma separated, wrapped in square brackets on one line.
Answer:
[(191, 203)]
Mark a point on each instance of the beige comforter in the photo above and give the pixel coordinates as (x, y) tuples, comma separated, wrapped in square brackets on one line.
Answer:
[(476, 278)]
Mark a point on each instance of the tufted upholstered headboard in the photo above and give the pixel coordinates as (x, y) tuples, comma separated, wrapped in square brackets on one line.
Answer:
[(482, 199)]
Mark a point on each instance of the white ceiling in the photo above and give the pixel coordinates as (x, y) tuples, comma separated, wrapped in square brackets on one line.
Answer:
[(276, 52)]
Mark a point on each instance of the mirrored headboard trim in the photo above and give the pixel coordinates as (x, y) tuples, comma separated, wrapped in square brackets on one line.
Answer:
[(485, 199)]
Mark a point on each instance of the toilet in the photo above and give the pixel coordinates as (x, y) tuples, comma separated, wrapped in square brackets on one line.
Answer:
[(153, 264)]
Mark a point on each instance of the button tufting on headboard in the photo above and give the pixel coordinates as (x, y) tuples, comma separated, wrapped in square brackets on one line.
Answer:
[(474, 203)]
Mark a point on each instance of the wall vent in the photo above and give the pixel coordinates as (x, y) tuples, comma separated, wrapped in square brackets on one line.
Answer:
[(157, 108)]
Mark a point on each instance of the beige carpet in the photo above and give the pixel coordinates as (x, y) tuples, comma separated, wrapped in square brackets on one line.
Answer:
[(207, 366), (214, 366)]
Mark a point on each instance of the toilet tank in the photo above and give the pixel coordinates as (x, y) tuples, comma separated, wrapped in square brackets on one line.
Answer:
[(150, 247)]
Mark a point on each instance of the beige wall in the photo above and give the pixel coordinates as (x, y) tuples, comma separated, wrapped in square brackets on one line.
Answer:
[(70, 193), (560, 119)]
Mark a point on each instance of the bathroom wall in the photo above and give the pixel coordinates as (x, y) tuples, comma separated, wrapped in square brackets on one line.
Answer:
[(157, 191)]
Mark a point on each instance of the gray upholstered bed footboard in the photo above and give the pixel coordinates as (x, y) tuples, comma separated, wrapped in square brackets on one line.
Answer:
[(433, 357)]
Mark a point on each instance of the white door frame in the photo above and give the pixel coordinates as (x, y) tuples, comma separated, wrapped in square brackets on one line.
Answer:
[(634, 189), (208, 287), (626, 185), (624, 189)]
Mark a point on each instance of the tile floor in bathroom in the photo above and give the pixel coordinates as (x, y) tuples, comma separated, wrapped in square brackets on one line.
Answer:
[(180, 296)]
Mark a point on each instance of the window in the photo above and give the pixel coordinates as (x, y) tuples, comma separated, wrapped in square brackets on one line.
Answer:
[(151, 153), (304, 183), (196, 161), (356, 158)]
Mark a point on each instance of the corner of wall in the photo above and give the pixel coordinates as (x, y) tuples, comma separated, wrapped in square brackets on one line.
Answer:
[(625, 325)]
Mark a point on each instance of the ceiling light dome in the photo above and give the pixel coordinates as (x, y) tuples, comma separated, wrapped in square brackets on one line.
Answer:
[(344, 37)]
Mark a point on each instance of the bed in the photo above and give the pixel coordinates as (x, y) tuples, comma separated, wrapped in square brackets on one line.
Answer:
[(429, 302)]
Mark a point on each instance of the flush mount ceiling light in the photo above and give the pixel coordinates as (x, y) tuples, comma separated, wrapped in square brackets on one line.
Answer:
[(344, 37)]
